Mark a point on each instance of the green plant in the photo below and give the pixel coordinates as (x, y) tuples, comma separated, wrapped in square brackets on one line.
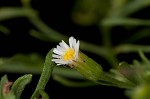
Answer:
[(105, 15)]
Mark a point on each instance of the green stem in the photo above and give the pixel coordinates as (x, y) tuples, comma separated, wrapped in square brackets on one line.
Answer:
[(131, 7), (124, 21), (44, 94), (110, 56), (45, 76), (106, 37), (14, 12), (52, 34), (113, 82), (128, 48)]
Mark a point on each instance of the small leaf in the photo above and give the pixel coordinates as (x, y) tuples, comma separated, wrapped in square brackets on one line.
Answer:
[(19, 85), (20, 63)]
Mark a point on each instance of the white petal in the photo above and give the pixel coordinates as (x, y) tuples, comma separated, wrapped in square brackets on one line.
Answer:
[(60, 48), (56, 51), (74, 42), (76, 49), (56, 60), (56, 56), (71, 41), (59, 64), (59, 61), (65, 45), (77, 46), (62, 45)]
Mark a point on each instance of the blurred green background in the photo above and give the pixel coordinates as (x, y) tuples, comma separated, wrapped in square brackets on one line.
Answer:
[(110, 31)]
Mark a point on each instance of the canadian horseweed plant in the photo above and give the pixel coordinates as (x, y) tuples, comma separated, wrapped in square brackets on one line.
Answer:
[(68, 60), (125, 76)]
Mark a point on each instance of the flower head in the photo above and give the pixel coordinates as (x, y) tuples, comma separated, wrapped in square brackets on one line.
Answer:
[(70, 55), (66, 54)]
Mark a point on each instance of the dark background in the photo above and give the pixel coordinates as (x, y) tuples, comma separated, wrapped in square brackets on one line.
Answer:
[(56, 13)]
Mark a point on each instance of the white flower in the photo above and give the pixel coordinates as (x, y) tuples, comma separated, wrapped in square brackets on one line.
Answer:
[(64, 54)]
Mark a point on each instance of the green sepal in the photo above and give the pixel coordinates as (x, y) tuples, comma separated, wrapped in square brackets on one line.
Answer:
[(88, 67)]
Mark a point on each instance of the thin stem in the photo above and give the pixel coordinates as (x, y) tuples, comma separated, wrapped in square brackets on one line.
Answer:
[(52, 34), (44, 94), (130, 8), (14, 12), (124, 21), (110, 55), (105, 77), (106, 37), (128, 48)]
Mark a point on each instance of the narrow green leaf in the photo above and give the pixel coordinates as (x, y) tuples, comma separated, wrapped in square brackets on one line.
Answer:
[(39, 35), (106, 79), (19, 85), (46, 74), (128, 48), (143, 57), (124, 21), (141, 34), (20, 63), (13, 12), (2, 82), (131, 7)]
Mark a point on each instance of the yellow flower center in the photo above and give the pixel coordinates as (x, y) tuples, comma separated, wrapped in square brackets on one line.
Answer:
[(69, 54)]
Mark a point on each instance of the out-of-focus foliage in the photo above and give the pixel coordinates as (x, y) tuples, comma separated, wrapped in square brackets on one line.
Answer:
[(105, 15)]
